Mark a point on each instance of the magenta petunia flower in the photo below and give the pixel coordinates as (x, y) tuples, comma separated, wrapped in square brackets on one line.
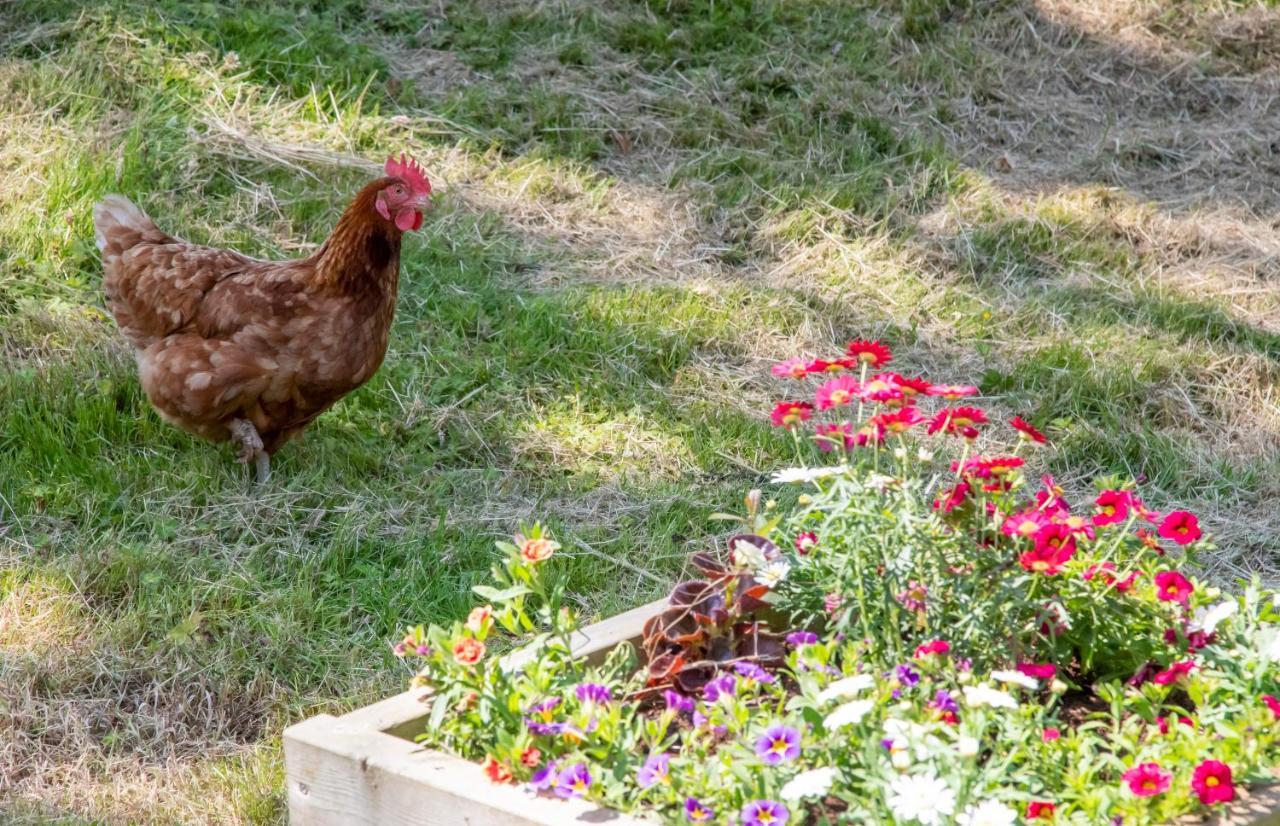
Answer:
[(655, 770), (1273, 704), (593, 693), (1174, 673), (574, 781), (779, 744), (764, 813), (695, 812), (1147, 779), (1212, 783), (1040, 671), (1113, 507), (1181, 527), (1172, 586), (932, 647)]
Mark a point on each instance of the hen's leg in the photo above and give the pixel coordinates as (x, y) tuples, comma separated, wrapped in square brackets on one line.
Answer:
[(246, 435)]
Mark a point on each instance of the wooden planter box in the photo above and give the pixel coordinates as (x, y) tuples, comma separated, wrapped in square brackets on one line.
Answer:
[(364, 769)]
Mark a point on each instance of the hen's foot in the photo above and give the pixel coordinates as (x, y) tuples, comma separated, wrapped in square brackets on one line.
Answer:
[(246, 435)]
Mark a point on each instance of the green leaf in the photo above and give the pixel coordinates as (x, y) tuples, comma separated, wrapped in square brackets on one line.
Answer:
[(505, 595)]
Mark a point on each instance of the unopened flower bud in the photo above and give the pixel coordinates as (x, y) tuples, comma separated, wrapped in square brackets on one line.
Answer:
[(753, 501), (901, 760), (964, 677), (804, 499), (1058, 687), (967, 746)]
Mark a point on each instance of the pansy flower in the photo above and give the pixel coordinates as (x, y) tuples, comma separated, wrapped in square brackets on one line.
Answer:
[(790, 369), (695, 812), (790, 414), (1172, 586), (764, 813), (1181, 527), (1211, 781), (779, 744), (870, 353), (574, 781), (1027, 431), (655, 770), (838, 392), (1147, 779)]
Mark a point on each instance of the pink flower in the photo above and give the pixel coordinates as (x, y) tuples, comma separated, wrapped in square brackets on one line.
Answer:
[(832, 602), (1040, 810), (806, 541), (1050, 734), (1181, 527), (881, 389), (1041, 671), (837, 392), (1113, 507), (1162, 723), (1273, 704), (898, 421), (1147, 779), (953, 392), (830, 436), (1172, 586), (791, 414), (932, 647), (790, 369), (1211, 781), (1174, 673), (1026, 523), (953, 498)]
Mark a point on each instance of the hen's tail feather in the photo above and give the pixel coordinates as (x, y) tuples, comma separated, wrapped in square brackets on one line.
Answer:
[(118, 225)]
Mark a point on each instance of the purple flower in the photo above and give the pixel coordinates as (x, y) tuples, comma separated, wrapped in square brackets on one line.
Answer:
[(906, 675), (751, 671), (573, 781), (887, 744), (695, 812), (723, 686), (779, 744), (654, 770), (423, 650), (944, 702), (677, 702), (540, 716), (593, 693), (545, 778), (764, 813), (798, 638), (544, 729)]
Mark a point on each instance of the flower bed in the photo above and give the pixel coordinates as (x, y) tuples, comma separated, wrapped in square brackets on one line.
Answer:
[(920, 634)]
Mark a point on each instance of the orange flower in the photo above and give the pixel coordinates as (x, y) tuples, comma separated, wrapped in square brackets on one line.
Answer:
[(467, 651), (479, 618), (497, 772), (537, 550)]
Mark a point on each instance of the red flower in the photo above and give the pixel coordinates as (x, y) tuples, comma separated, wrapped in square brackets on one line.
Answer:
[(468, 651), (958, 421), (530, 757), (1056, 537), (497, 772), (881, 388), (953, 391), (1024, 523), (899, 421), (953, 499), (790, 369), (1147, 779), (1162, 723), (1050, 734), (806, 542), (1125, 585), (1028, 432), (824, 366), (1273, 704), (913, 387), (1174, 673), (871, 353), (829, 436), (1211, 782), (1149, 539), (1181, 527), (791, 414), (1041, 671), (1172, 586), (932, 647), (1040, 810), (1104, 571), (1050, 499), (837, 392), (1046, 560), (1113, 507)]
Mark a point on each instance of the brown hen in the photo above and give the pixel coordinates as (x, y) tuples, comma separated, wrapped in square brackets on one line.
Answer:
[(231, 347)]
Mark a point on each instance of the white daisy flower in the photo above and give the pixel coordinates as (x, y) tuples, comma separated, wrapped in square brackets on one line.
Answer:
[(924, 798), (1016, 678), (772, 574), (807, 474), (978, 696), (850, 713), (813, 783), (988, 813), (748, 555), (846, 687)]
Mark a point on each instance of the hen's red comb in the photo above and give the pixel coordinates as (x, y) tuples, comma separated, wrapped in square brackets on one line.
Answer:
[(407, 170)]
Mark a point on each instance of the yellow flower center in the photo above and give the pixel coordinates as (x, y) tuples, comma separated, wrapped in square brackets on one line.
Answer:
[(840, 397), (1211, 782)]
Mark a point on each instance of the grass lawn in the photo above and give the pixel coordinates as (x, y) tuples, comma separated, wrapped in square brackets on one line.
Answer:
[(1072, 204)]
